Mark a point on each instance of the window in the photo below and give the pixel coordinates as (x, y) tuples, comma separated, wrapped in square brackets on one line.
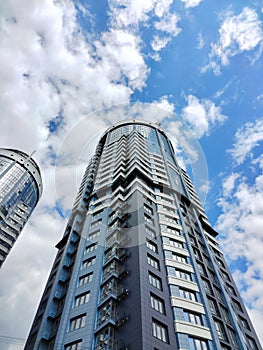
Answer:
[(201, 268), (157, 304), (150, 232), (151, 246), (89, 262), (192, 239), (179, 258), (172, 230), (244, 322), (193, 318), (225, 275), (219, 262), (148, 201), (230, 289), (103, 339), (94, 234), (225, 314), (77, 322), (160, 331), (82, 299), (96, 223), (153, 262), (175, 243), (91, 247), (169, 219), (236, 305), (213, 306), (197, 254), (197, 344), (147, 218), (218, 295), (74, 346), (251, 343), (207, 286), (85, 279), (232, 336), (220, 330), (155, 281), (97, 214), (187, 294), (212, 277), (183, 274), (147, 209)]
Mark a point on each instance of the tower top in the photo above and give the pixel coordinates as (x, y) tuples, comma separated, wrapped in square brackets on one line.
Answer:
[(27, 162), (135, 122)]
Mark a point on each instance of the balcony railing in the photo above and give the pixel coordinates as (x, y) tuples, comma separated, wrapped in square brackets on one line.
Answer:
[(113, 317), (120, 272), (117, 293), (119, 253)]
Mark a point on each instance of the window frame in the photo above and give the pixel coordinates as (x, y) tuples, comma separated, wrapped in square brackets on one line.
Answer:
[(85, 279), (91, 247), (77, 322), (88, 262), (76, 345), (155, 281), (81, 299), (153, 262), (160, 331), (152, 246), (157, 303)]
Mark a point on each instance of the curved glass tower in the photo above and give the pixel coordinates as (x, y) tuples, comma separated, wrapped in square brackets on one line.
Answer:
[(20, 190), (139, 266)]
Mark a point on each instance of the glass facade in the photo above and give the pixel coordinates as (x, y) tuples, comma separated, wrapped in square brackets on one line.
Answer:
[(139, 266), (20, 190)]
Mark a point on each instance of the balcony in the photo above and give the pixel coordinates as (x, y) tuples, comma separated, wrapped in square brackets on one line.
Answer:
[(114, 227), (111, 318), (117, 215), (116, 252), (115, 237), (118, 271)]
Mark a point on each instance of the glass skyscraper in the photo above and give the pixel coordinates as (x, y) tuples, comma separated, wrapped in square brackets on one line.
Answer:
[(139, 266), (20, 190)]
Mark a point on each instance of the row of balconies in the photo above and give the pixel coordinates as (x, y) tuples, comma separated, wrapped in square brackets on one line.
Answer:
[(111, 317), (116, 252)]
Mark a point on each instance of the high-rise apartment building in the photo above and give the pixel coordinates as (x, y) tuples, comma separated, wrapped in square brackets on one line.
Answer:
[(139, 266), (20, 190)]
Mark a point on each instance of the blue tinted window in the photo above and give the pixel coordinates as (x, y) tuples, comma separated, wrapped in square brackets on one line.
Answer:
[(166, 148)]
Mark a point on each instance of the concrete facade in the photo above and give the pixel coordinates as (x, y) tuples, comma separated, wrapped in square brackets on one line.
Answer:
[(139, 266)]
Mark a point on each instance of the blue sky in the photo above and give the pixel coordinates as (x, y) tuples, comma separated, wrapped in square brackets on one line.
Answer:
[(69, 69)]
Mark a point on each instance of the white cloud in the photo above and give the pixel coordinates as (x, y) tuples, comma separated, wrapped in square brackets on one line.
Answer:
[(240, 228), (129, 15), (159, 43), (200, 41), (229, 184), (120, 57), (125, 13), (241, 219), (237, 34), (167, 27), (162, 7), (168, 24), (25, 271), (191, 3), (246, 139), (259, 97), (46, 64), (202, 114)]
